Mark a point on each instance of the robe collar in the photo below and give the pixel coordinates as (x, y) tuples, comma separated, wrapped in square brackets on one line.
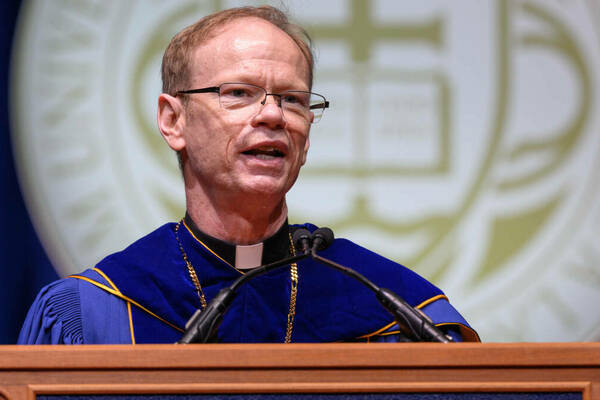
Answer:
[(270, 250)]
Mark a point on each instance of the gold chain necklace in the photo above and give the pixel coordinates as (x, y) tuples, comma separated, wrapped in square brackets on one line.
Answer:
[(293, 279), (293, 294), (191, 269)]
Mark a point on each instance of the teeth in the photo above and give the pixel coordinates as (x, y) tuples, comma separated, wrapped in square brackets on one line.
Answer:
[(264, 156), (267, 149)]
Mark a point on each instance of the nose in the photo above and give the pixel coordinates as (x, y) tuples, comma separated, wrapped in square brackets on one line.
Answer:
[(276, 97), (270, 113)]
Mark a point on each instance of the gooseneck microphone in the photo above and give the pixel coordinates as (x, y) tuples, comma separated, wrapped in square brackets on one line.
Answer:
[(302, 238), (322, 238), (413, 323), (203, 325)]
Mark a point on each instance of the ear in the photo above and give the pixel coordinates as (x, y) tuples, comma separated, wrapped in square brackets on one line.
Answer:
[(171, 121), (306, 146), (307, 143)]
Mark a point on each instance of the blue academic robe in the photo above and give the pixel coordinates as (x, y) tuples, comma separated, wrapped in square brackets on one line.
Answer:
[(144, 294)]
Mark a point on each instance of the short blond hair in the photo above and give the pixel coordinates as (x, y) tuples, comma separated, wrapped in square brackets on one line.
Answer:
[(175, 69)]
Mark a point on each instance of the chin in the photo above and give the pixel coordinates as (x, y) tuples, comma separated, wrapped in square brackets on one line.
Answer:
[(266, 186)]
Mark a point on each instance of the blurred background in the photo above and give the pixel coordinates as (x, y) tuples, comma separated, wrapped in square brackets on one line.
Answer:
[(463, 141)]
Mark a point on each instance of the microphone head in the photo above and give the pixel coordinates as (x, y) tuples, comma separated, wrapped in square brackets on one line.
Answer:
[(300, 237), (326, 237)]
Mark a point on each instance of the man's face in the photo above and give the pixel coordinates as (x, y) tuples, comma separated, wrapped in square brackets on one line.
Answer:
[(261, 152)]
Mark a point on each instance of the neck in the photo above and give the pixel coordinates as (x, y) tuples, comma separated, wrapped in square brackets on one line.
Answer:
[(268, 251), (239, 221)]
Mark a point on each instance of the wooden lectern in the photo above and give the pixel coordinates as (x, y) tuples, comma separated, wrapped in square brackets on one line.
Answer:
[(350, 370)]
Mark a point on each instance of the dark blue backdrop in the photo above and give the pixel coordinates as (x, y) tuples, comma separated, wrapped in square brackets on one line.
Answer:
[(24, 266)]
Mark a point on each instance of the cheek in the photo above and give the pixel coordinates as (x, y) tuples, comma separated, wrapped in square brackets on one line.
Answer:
[(306, 147), (228, 151), (212, 132), (224, 137)]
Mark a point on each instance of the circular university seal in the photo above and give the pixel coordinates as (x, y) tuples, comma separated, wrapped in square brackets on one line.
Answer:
[(92, 163), (462, 142)]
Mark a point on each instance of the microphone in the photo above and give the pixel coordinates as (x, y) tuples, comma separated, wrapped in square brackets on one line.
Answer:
[(301, 239), (322, 239), (413, 323), (203, 325)]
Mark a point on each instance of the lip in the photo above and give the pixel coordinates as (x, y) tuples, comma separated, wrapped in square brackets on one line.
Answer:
[(261, 165)]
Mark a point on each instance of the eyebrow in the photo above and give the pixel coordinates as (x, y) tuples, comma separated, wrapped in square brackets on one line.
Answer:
[(253, 80)]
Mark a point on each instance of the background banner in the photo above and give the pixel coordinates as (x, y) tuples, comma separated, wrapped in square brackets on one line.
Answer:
[(462, 141)]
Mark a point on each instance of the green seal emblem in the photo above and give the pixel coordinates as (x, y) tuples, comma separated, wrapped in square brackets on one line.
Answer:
[(461, 141)]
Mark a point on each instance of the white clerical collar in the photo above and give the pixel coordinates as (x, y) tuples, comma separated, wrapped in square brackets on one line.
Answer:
[(269, 250), (250, 256)]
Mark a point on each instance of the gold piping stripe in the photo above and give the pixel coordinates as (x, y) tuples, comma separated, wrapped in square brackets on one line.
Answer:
[(470, 332), (123, 297), (389, 333), (388, 326), (431, 300), (208, 248), (378, 331), (130, 316), (101, 273), (130, 323)]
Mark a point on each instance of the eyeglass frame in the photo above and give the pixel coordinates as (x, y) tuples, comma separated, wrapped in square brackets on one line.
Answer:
[(217, 89)]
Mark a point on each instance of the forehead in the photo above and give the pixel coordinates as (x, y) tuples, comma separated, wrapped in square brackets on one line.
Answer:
[(250, 45)]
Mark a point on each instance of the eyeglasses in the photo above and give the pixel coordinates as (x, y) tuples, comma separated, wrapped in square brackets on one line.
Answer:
[(247, 98)]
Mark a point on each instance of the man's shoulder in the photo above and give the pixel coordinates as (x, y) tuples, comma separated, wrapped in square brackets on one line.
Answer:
[(70, 310), (149, 247), (306, 225), (382, 270), (347, 249), (379, 269)]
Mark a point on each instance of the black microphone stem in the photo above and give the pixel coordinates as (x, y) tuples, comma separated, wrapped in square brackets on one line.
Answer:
[(202, 326), (347, 271), (266, 268)]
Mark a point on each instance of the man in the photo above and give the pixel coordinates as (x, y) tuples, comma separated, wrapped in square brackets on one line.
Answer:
[(237, 109)]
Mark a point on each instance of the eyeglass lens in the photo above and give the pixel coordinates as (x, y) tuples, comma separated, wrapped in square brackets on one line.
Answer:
[(294, 104)]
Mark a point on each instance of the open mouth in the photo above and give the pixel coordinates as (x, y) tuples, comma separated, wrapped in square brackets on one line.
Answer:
[(264, 153)]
